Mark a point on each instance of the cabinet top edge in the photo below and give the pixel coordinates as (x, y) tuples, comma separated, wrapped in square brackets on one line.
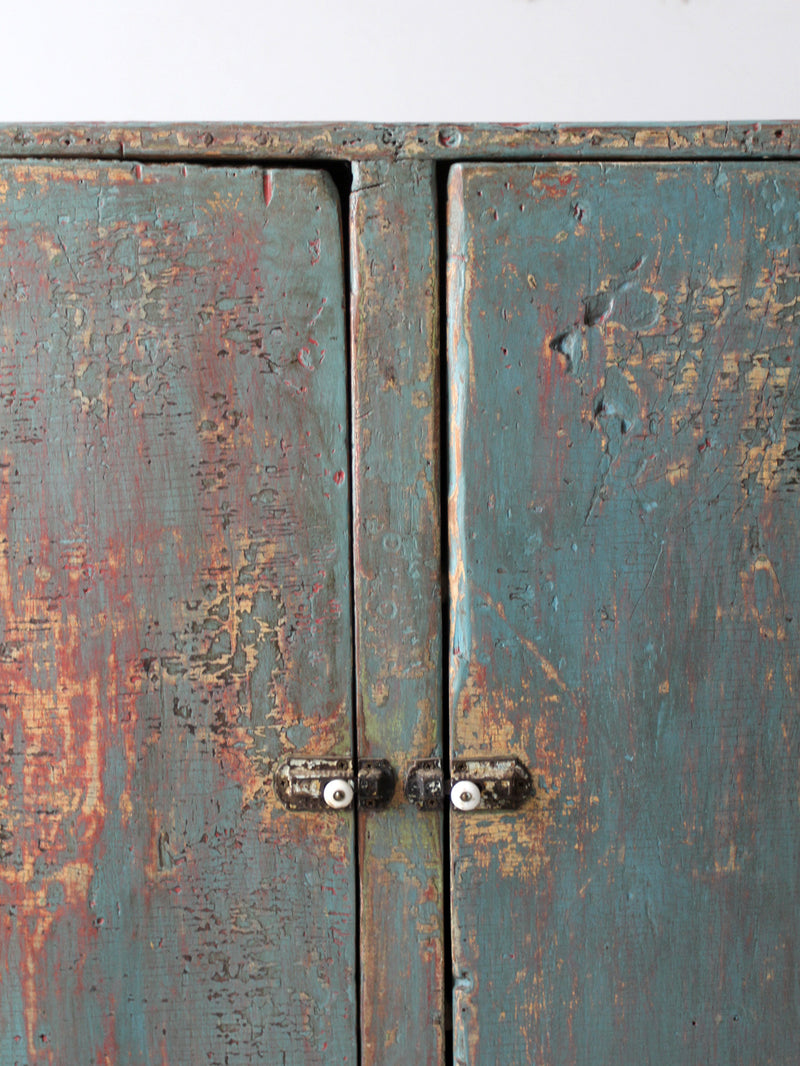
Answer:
[(331, 142)]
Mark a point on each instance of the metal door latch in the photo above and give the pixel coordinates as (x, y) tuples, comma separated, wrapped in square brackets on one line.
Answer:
[(329, 784), (425, 784), (501, 783), (489, 784)]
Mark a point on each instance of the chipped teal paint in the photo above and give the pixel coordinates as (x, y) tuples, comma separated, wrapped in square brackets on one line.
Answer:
[(629, 447), (174, 615)]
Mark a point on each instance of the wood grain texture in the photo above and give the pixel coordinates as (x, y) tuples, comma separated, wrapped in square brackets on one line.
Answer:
[(175, 591), (395, 395), (332, 141), (625, 451)]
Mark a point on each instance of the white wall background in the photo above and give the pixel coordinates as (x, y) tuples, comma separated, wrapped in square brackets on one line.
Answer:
[(409, 60)]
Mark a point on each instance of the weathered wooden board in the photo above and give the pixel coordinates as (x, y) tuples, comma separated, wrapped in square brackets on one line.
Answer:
[(624, 522), (395, 391), (175, 615), (400, 141)]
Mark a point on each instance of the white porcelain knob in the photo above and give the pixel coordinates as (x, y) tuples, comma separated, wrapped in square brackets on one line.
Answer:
[(465, 796), (338, 793)]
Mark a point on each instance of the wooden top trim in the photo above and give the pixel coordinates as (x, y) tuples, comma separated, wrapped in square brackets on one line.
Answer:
[(342, 142)]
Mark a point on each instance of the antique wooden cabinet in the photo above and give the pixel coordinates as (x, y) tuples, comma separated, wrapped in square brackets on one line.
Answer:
[(472, 450)]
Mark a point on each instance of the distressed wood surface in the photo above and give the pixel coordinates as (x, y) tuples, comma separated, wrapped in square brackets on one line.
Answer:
[(446, 141), (395, 396), (175, 589), (625, 456)]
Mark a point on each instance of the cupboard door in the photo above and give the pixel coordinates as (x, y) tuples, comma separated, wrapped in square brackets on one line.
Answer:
[(624, 458), (175, 589)]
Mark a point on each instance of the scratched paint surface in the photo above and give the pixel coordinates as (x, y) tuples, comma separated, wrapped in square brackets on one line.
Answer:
[(624, 511), (174, 589), (397, 579)]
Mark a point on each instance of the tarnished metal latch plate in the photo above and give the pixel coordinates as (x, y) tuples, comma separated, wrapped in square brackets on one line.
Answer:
[(303, 784), (376, 781), (491, 784), (300, 783), (503, 783), (425, 784)]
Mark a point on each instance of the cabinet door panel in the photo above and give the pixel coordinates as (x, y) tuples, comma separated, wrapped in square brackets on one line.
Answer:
[(175, 588), (625, 457)]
